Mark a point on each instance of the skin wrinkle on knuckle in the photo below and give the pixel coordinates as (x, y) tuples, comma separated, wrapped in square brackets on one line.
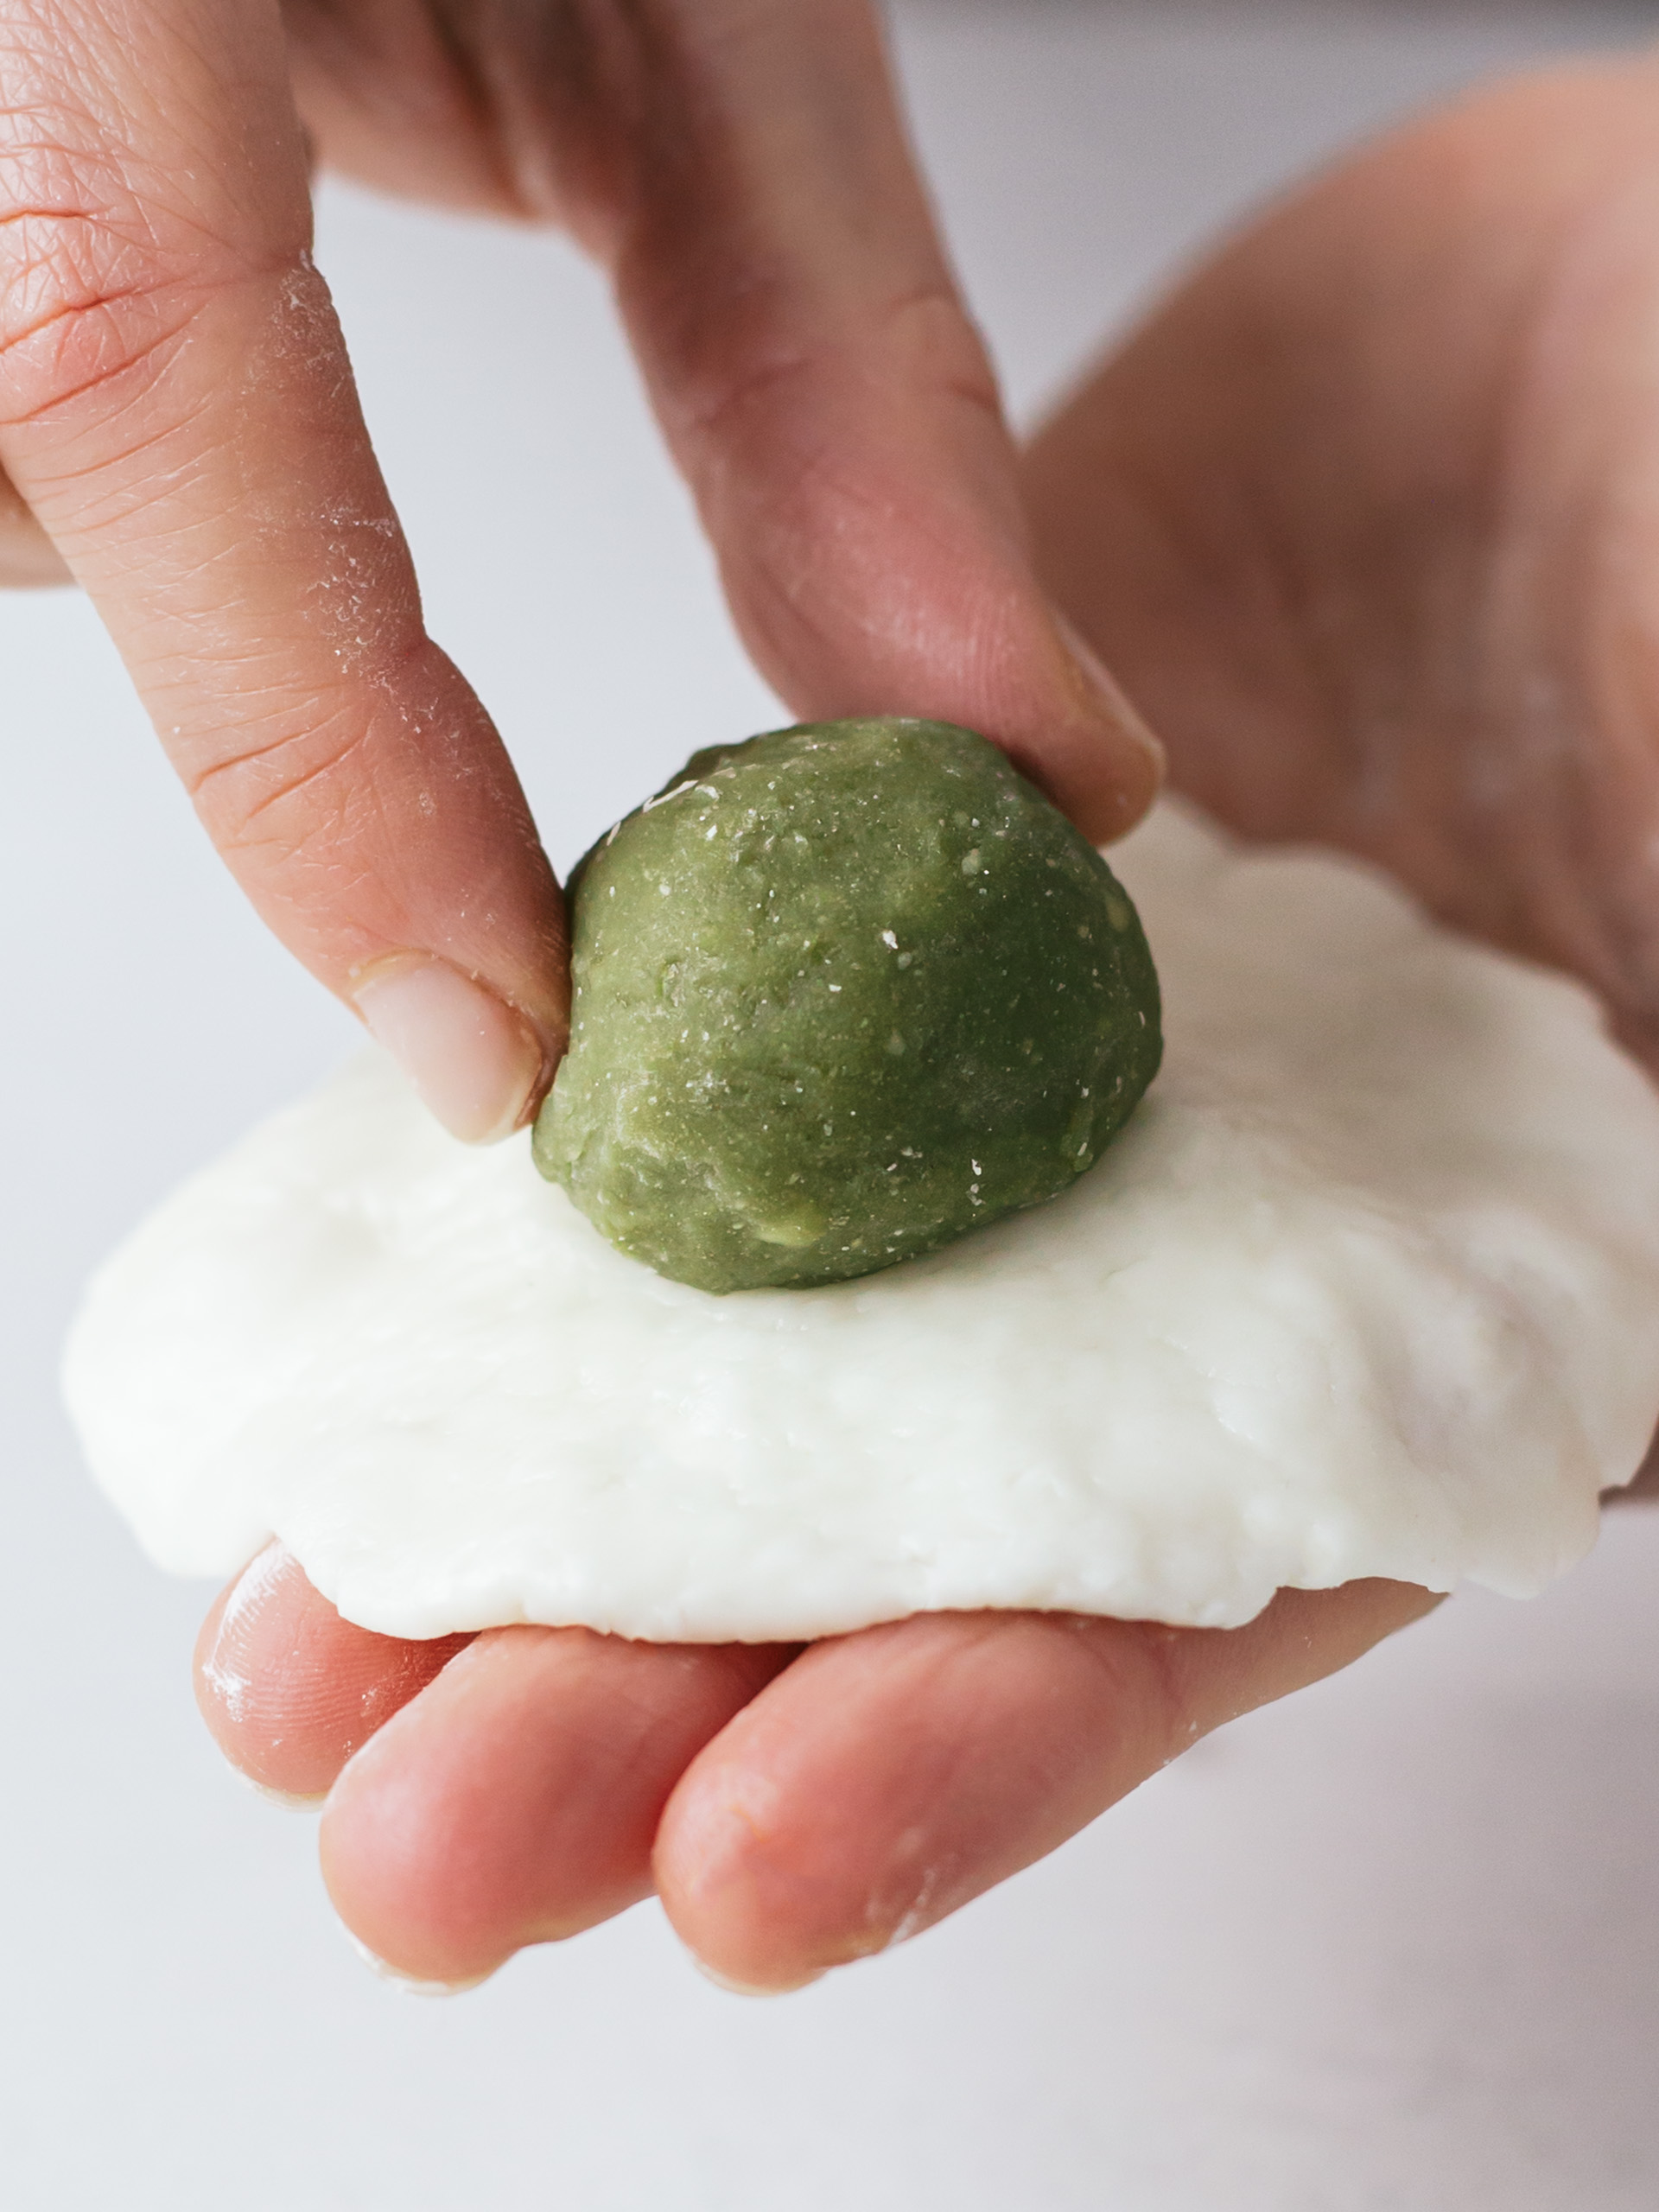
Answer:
[(344, 742), (279, 681), (934, 335), (81, 255), (128, 492), (349, 858), (106, 263), (820, 491), (245, 798), (476, 94), (335, 809), (821, 498), (87, 341), (758, 368), (516, 116), (830, 498), (74, 349), (112, 490), (331, 903)]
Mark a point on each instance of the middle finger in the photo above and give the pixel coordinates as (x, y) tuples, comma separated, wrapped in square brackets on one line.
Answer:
[(516, 1800)]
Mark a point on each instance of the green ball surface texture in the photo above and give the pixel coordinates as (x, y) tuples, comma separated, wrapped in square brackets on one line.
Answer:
[(844, 994)]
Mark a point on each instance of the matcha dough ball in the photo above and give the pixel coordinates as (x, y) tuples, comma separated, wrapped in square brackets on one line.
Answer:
[(842, 995)]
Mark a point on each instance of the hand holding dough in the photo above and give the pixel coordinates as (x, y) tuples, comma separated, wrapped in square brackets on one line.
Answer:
[(1370, 1287)]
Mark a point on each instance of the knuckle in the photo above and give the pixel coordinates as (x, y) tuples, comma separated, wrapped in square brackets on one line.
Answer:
[(86, 289), (71, 335), (313, 768), (288, 786), (935, 347), (913, 343), (108, 232), (84, 284)]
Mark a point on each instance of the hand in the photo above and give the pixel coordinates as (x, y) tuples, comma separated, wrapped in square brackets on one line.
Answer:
[(1363, 515), (1368, 519), (741, 169), (179, 430), (793, 1810)]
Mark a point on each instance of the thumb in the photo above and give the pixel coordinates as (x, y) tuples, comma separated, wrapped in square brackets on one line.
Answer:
[(177, 410)]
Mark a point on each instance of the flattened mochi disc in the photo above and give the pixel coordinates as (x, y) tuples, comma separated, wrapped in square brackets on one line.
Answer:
[(843, 993), (1368, 1285)]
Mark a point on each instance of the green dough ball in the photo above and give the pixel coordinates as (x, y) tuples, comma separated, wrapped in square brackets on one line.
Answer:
[(842, 995)]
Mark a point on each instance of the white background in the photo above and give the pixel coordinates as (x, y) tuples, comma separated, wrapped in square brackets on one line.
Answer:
[(1396, 1944)]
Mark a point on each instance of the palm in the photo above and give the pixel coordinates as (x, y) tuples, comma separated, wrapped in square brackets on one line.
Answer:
[(1367, 519)]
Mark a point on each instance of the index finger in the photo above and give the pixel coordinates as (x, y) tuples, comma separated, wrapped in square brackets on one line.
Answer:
[(177, 409)]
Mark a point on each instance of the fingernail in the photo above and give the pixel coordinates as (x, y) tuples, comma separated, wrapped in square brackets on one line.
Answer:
[(408, 1983), (1110, 694), (291, 1800), (752, 1989), (474, 1061)]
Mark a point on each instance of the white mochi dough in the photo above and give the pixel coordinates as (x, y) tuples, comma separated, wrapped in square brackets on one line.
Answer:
[(1369, 1286)]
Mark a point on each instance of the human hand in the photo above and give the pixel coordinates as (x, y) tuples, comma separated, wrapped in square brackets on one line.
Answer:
[(740, 168), (1368, 518), (793, 1810), (179, 430), (1360, 514), (178, 426)]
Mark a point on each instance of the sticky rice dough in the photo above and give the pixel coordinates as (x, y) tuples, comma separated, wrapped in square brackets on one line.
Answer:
[(1369, 1285)]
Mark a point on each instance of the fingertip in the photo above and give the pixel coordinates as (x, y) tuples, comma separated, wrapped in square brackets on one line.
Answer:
[(727, 1886), (892, 1775), (288, 1689), (1109, 780), (223, 1672), (516, 1805), (286, 1801), (409, 1985), (817, 1828), (427, 1842), (753, 1988)]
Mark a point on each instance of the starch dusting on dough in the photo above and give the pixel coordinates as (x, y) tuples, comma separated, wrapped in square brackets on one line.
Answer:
[(1369, 1286)]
